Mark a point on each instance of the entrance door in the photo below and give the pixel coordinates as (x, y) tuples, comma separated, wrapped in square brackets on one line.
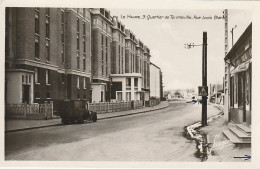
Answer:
[(26, 93), (241, 94), (102, 96)]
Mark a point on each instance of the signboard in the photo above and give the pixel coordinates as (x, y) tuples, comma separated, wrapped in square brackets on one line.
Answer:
[(203, 90)]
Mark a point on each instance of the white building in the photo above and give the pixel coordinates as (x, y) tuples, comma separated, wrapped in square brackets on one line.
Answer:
[(126, 87), (155, 78)]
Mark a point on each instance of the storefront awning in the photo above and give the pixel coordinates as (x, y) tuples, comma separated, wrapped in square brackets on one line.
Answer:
[(242, 67)]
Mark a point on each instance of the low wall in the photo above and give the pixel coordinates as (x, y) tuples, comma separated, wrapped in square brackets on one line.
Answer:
[(33, 111), (105, 107)]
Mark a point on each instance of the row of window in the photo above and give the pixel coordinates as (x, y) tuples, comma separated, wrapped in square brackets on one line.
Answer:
[(82, 11), (131, 45), (121, 59), (121, 38), (128, 82), (37, 76), (48, 95), (132, 61), (102, 25), (104, 52), (84, 82), (62, 36), (47, 44), (47, 77)]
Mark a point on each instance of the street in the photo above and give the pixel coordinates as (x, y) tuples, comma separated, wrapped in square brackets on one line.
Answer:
[(152, 136)]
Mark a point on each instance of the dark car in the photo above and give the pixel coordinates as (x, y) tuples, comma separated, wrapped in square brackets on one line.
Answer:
[(74, 111)]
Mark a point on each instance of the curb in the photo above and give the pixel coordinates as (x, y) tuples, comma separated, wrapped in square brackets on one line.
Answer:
[(36, 127), (60, 124)]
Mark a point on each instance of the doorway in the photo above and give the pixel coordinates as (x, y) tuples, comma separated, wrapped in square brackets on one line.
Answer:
[(241, 94), (26, 94)]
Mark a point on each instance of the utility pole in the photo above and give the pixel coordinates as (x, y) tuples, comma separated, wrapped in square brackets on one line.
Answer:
[(203, 90), (204, 79)]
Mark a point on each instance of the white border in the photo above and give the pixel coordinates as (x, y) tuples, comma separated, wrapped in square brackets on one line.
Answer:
[(148, 4)]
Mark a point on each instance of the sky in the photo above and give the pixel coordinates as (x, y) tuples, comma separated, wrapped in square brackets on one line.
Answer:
[(181, 67)]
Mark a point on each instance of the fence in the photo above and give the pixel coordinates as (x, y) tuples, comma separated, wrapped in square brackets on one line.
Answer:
[(104, 107), (29, 111), (154, 101)]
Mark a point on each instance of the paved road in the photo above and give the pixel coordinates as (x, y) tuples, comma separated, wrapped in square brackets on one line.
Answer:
[(152, 136)]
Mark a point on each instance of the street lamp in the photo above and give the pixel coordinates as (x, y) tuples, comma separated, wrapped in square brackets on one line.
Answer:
[(203, 90), (232, 30)]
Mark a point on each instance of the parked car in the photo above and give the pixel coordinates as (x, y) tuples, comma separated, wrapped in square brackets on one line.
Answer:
[(74, 111)]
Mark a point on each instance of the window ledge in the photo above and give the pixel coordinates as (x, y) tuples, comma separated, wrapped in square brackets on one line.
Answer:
[(37, 98), (38, 59), (37, 83), (48, 98), (48, 84)]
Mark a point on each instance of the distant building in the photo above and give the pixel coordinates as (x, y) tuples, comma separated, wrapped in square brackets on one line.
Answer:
[(216, 93), (240, 91), (155, 81)]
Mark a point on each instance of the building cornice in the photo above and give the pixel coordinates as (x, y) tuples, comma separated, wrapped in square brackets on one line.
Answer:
[(36, 64), (100, 78), (103, 17), (104, 32), (75, 72), (126, 75), (19, 70), (129, 39), (81, 16)]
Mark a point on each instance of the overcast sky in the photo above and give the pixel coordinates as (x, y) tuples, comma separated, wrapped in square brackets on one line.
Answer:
[(182, 68)]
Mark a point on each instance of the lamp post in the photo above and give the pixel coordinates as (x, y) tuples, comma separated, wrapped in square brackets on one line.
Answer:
[(203, 90)]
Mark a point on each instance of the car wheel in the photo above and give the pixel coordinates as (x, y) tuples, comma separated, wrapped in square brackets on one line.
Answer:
[(94, 116), (80, 120)]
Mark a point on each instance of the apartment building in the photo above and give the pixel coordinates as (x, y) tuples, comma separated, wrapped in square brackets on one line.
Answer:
[(126, 83), (47, 57), (101, 54), (54, 54)]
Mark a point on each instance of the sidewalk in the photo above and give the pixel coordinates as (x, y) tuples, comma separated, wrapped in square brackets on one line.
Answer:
[(219, 106), (18, 125), (223, 151)]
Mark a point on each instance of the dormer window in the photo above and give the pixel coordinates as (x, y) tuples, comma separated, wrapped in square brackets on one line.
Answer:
[(102, 11)]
